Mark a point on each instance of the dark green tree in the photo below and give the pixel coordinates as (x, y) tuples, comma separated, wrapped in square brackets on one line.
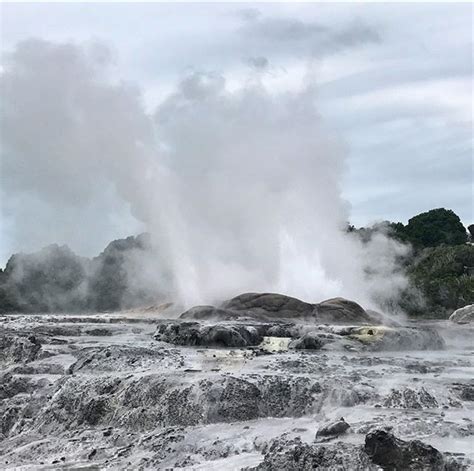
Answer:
[(435, 227)]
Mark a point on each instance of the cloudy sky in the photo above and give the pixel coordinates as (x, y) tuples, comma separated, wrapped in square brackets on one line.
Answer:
[(393, 81)]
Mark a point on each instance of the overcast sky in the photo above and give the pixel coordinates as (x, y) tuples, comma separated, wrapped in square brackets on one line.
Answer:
[(394, 81)]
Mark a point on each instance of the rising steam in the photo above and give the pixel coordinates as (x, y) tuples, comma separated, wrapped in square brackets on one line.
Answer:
[(240, 189)]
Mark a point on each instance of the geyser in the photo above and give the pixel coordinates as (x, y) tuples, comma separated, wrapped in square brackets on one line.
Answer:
[(240, 187)]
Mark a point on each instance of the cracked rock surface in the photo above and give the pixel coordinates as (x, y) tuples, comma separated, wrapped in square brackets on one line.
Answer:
[(271, 384)]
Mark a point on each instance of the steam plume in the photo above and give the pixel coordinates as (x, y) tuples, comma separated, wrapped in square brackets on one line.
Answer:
[(239, 189)]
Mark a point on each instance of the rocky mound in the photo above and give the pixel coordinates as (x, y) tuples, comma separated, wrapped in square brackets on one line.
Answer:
[(271, 306)]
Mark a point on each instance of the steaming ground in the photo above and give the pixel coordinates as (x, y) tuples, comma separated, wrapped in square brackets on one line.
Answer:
[(220, 389)]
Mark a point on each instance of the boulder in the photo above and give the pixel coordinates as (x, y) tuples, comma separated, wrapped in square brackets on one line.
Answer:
[(309, 341), (215, 335), (295, 455), (393, 454), (333, 429), (465, 391), (464, 315)]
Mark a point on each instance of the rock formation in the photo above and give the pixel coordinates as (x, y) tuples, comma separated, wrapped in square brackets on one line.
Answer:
[(464, 315), (258, 386)]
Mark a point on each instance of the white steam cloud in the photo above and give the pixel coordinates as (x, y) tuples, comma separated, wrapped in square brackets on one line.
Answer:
[(240, 189)]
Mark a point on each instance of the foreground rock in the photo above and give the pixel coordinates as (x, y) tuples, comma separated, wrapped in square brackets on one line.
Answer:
[(250, 319), (298, 456), (382, 450), (250, 333), (464, 315), (138, 392), (393, 454), (196, 334)]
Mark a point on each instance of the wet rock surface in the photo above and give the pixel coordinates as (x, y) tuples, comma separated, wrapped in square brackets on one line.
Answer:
[(142, 392)]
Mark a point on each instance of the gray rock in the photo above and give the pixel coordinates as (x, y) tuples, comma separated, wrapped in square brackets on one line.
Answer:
[(232, 399), (381, 338), (130, 402), (144, 403), (123, 358), (212, 313), (465, 391), (333, 429), (18, 349), (464, 315), (393, 454), (298, 456), (215, 335), (342, 311), (409, 398), (309, 341), (11, 385), (271, 306)]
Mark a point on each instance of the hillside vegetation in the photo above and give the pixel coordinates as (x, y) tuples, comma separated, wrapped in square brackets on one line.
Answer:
[(441, 266)]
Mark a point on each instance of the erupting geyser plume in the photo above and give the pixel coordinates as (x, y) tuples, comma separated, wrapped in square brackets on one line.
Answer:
[(239, 188)]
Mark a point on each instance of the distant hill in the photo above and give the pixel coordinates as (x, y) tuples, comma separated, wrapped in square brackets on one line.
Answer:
[(55, 279)]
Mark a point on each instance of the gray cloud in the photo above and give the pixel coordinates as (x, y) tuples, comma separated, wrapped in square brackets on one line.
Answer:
[(315, 37)]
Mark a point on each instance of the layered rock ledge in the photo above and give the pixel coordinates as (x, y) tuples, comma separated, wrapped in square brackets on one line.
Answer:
[(271, 383)]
